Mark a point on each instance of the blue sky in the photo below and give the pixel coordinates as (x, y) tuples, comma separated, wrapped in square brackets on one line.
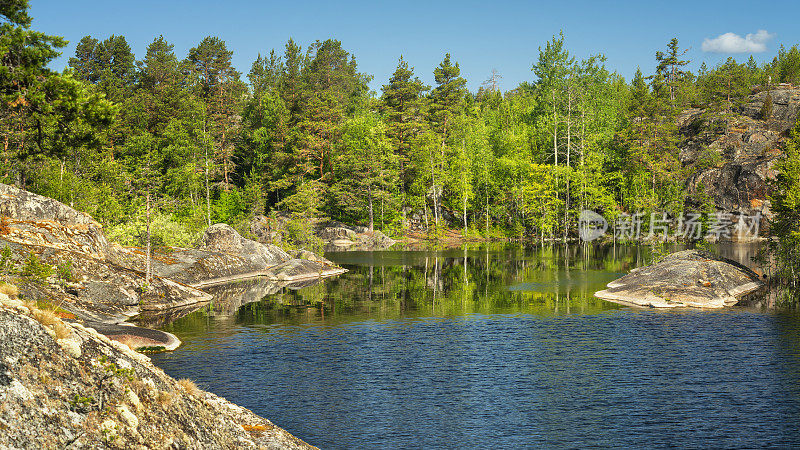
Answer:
[(480, 35)]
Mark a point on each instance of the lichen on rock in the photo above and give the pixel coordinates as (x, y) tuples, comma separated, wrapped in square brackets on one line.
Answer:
[(108, 396), (688, 278)]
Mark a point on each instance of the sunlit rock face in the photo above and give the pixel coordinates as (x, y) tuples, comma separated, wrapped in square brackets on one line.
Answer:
[(33, 219), (223, 255), (336, 236), (63, 385), (733, 163), (690, 278)]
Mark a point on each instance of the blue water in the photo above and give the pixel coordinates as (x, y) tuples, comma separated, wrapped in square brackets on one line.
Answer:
[(545, 369)]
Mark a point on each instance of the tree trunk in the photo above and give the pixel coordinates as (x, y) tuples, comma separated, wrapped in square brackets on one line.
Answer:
[(569, 143), (434, 193), (371, 217), (147, 275), (465, 215), (555, 128)]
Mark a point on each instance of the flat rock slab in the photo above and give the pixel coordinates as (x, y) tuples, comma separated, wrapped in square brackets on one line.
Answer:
[(690, 278), (137, 338)]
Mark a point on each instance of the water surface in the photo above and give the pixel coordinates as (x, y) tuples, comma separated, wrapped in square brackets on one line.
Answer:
[(503, 348)]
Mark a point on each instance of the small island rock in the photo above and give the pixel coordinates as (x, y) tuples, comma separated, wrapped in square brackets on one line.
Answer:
[(693, 278)]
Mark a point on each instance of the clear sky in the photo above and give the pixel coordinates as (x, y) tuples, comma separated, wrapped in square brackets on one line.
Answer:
[(480, 35)]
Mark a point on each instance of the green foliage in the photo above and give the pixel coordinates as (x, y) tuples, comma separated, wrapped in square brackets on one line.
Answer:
[(64, 271), (297, 233), (786, 226), (165, 230), (787, 65), (707, 158), (33, 267), (6, 263), (114, 370), (188, 140), (229, 208), (82, 404)]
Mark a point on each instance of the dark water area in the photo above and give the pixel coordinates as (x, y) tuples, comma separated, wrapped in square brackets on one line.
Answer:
[(500, 347)]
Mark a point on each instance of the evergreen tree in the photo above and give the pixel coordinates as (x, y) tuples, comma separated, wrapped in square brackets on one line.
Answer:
[(43, 113), (217, 84), (446, 101), (786, 226), (403, 108), (670, 68)]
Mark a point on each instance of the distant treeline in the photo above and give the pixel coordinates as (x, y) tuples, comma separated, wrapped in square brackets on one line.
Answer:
[(302, 133)]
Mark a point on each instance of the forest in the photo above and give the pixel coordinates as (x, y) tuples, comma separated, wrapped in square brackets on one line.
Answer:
[(183, 141)]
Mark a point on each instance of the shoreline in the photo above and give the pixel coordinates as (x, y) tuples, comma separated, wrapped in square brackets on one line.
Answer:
[(89, 390)]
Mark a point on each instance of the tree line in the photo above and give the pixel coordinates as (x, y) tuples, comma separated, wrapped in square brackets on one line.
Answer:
[(187, 140)]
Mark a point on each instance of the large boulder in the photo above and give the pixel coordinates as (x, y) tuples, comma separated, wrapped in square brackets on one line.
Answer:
[(335, 236), (223, 255), (223, 238), (105, 284), (35, 220), (338, 236), (86, 278), (304, 269), (688, 278)]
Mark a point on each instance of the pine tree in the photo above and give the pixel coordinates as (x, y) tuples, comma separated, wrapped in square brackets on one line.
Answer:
[(41, 112), (670, 68), (217, 83), (786, 225), (446, 101), (403, 108)]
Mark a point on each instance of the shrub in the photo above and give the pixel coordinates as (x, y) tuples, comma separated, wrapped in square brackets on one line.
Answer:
[(229, 207), (6, 263), (165, 230), (35, 268), (299, 233), (189, 387), (64, 271)]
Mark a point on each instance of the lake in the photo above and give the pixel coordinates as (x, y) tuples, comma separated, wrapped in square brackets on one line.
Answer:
[(502, 347)]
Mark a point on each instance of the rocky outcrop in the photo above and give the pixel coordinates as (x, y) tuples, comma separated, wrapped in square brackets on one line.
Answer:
[(223, 256), (335, 236), (733, 163), (66, 386), (104, 284), (338, 236), (687, 278), (223, 238)]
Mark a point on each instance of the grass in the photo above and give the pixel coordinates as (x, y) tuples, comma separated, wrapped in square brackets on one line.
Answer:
[(151, 349), (165, 398), (57, 309), (62, 330), (189, 387), (9, 289), (45, 316)]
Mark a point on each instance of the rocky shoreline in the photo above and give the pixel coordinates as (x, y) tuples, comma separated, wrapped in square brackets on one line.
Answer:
[(63, 385), (69, 375), (70, 264)]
